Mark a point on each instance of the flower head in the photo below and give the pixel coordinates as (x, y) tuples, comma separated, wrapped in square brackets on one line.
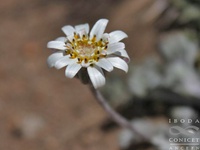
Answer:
[(94, 50)]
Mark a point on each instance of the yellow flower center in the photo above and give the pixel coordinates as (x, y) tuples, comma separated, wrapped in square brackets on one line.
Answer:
[(86, 49)]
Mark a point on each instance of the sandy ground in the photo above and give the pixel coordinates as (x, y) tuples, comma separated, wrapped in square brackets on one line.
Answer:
[(40, 109)]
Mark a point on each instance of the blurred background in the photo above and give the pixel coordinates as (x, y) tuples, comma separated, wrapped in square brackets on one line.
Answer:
[(40, 109)]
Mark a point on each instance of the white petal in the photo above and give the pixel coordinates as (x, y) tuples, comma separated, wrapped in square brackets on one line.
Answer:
[(105, 36), (124, 54), (72, 70), (56, 45), (117, 36), (99, 28), (118, 63), (105, 64), (66, 60), (68, 30), (82, 28), (53, 58), (62, 39), (83, 64), (70, 38), (96, 76), (115, 47)]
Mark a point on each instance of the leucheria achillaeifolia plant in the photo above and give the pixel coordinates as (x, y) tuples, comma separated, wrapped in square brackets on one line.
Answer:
[(94, 51)]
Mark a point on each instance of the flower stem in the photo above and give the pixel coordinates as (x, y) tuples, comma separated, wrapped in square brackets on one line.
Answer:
[(123, 122)]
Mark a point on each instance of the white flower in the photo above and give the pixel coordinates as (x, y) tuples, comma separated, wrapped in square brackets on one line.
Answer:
[(95, 51)]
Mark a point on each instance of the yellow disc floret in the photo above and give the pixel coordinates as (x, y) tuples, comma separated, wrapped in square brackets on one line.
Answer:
[(86, 49)]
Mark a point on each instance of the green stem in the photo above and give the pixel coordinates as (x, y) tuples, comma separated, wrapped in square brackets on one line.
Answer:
[(123, 122)]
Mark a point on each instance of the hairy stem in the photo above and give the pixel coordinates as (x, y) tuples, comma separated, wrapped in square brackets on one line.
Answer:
[(123, 122)]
